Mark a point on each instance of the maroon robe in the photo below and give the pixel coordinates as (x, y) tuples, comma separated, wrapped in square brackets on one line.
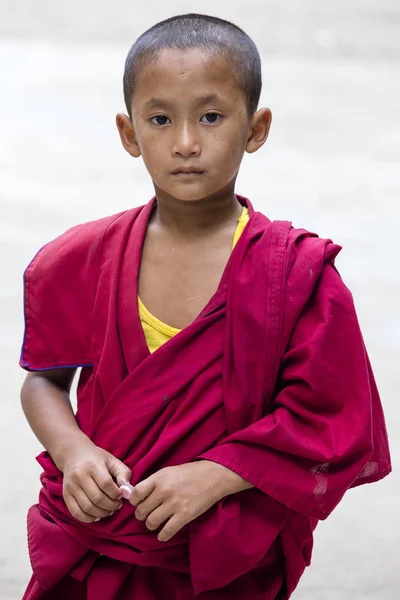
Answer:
[(271, 380)]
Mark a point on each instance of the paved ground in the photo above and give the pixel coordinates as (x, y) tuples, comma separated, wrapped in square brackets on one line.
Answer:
[(331, 75)]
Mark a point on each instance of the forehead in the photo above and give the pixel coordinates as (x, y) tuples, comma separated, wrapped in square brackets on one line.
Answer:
[(176, 75)]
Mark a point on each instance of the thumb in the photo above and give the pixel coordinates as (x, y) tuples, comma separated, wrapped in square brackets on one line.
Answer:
[(118, 470)]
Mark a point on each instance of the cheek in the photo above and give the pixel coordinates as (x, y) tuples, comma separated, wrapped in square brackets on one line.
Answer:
[(229, 147), (152, 149), (232, 137)]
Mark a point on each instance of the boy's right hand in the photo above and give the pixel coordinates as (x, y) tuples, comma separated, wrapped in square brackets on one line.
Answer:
[(89, 488)]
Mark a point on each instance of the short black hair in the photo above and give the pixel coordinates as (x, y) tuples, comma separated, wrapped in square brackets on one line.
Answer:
[(205, 32)]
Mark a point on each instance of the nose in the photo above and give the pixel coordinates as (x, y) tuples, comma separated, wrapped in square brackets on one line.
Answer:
[(186, 142)]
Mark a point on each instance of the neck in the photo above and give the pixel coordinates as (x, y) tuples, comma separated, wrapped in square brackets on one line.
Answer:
[(195, 216)]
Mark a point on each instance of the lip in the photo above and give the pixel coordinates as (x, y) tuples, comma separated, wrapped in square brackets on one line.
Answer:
[(187, 171), (188, 174)]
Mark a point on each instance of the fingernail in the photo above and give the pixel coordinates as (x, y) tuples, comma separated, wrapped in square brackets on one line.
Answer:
[(98, 519), (120, 506), (111, 514)]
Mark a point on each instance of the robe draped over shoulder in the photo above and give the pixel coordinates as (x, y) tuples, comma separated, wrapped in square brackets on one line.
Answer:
[(272, 380), (59, 292)]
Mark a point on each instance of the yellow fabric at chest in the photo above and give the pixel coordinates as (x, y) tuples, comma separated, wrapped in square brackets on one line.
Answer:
[(156, 332)]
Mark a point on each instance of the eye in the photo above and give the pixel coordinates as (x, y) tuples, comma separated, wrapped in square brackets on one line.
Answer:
[(159, 117), (213, 117)]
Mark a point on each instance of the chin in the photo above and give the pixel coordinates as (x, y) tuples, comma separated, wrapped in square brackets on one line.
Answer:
[(191, 198), (190, 195), (191, 191)]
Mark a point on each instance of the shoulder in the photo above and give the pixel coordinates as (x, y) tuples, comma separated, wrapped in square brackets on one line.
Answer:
[(77, 246), (312, 274), (303, 248), (307, 250), (306, 259), (59, 291), (313, 283), (299, 251)]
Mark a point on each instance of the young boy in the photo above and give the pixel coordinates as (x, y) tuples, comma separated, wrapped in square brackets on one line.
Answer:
[(224, 374)]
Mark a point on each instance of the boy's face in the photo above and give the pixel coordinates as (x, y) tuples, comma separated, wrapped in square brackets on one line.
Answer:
[(189, 112)]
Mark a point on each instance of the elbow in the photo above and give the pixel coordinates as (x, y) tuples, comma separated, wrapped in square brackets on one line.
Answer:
[(25, 389)]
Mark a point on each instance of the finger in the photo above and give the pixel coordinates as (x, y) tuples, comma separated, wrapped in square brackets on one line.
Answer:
[(98, 497), (87, 506), (158, 517), (172, 526), (141, 491), (144, 508), (118, 470), (77, 512), (104, 480)]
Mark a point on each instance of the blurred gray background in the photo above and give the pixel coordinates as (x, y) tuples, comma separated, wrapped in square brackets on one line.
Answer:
[(331, 78)]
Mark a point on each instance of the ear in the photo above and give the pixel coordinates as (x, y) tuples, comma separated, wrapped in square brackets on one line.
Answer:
[(127, 135), (259, 129)]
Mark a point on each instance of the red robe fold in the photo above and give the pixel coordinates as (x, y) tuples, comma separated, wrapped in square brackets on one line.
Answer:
[(271, 380)]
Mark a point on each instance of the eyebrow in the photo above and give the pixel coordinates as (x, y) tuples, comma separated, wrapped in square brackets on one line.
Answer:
[(199, 101)]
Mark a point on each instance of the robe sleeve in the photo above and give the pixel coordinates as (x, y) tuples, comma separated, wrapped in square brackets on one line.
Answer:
[(59, 286), (318, 437)]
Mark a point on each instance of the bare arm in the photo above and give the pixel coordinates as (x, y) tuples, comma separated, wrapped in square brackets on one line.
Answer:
[(47, 407), (91, 474)]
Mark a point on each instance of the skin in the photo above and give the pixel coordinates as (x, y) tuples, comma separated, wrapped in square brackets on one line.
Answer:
[(189, 237), (188, 241), (90, 473)]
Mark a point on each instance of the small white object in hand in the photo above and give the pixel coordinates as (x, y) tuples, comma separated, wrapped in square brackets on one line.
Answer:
[(126, 489)]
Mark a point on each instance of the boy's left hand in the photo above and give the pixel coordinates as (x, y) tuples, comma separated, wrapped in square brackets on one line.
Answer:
[(177, 495)]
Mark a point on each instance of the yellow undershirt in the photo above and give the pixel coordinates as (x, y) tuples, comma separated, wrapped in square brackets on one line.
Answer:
[(156, 332)]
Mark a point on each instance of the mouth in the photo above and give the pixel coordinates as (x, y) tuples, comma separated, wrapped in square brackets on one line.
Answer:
[(187, 172)]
